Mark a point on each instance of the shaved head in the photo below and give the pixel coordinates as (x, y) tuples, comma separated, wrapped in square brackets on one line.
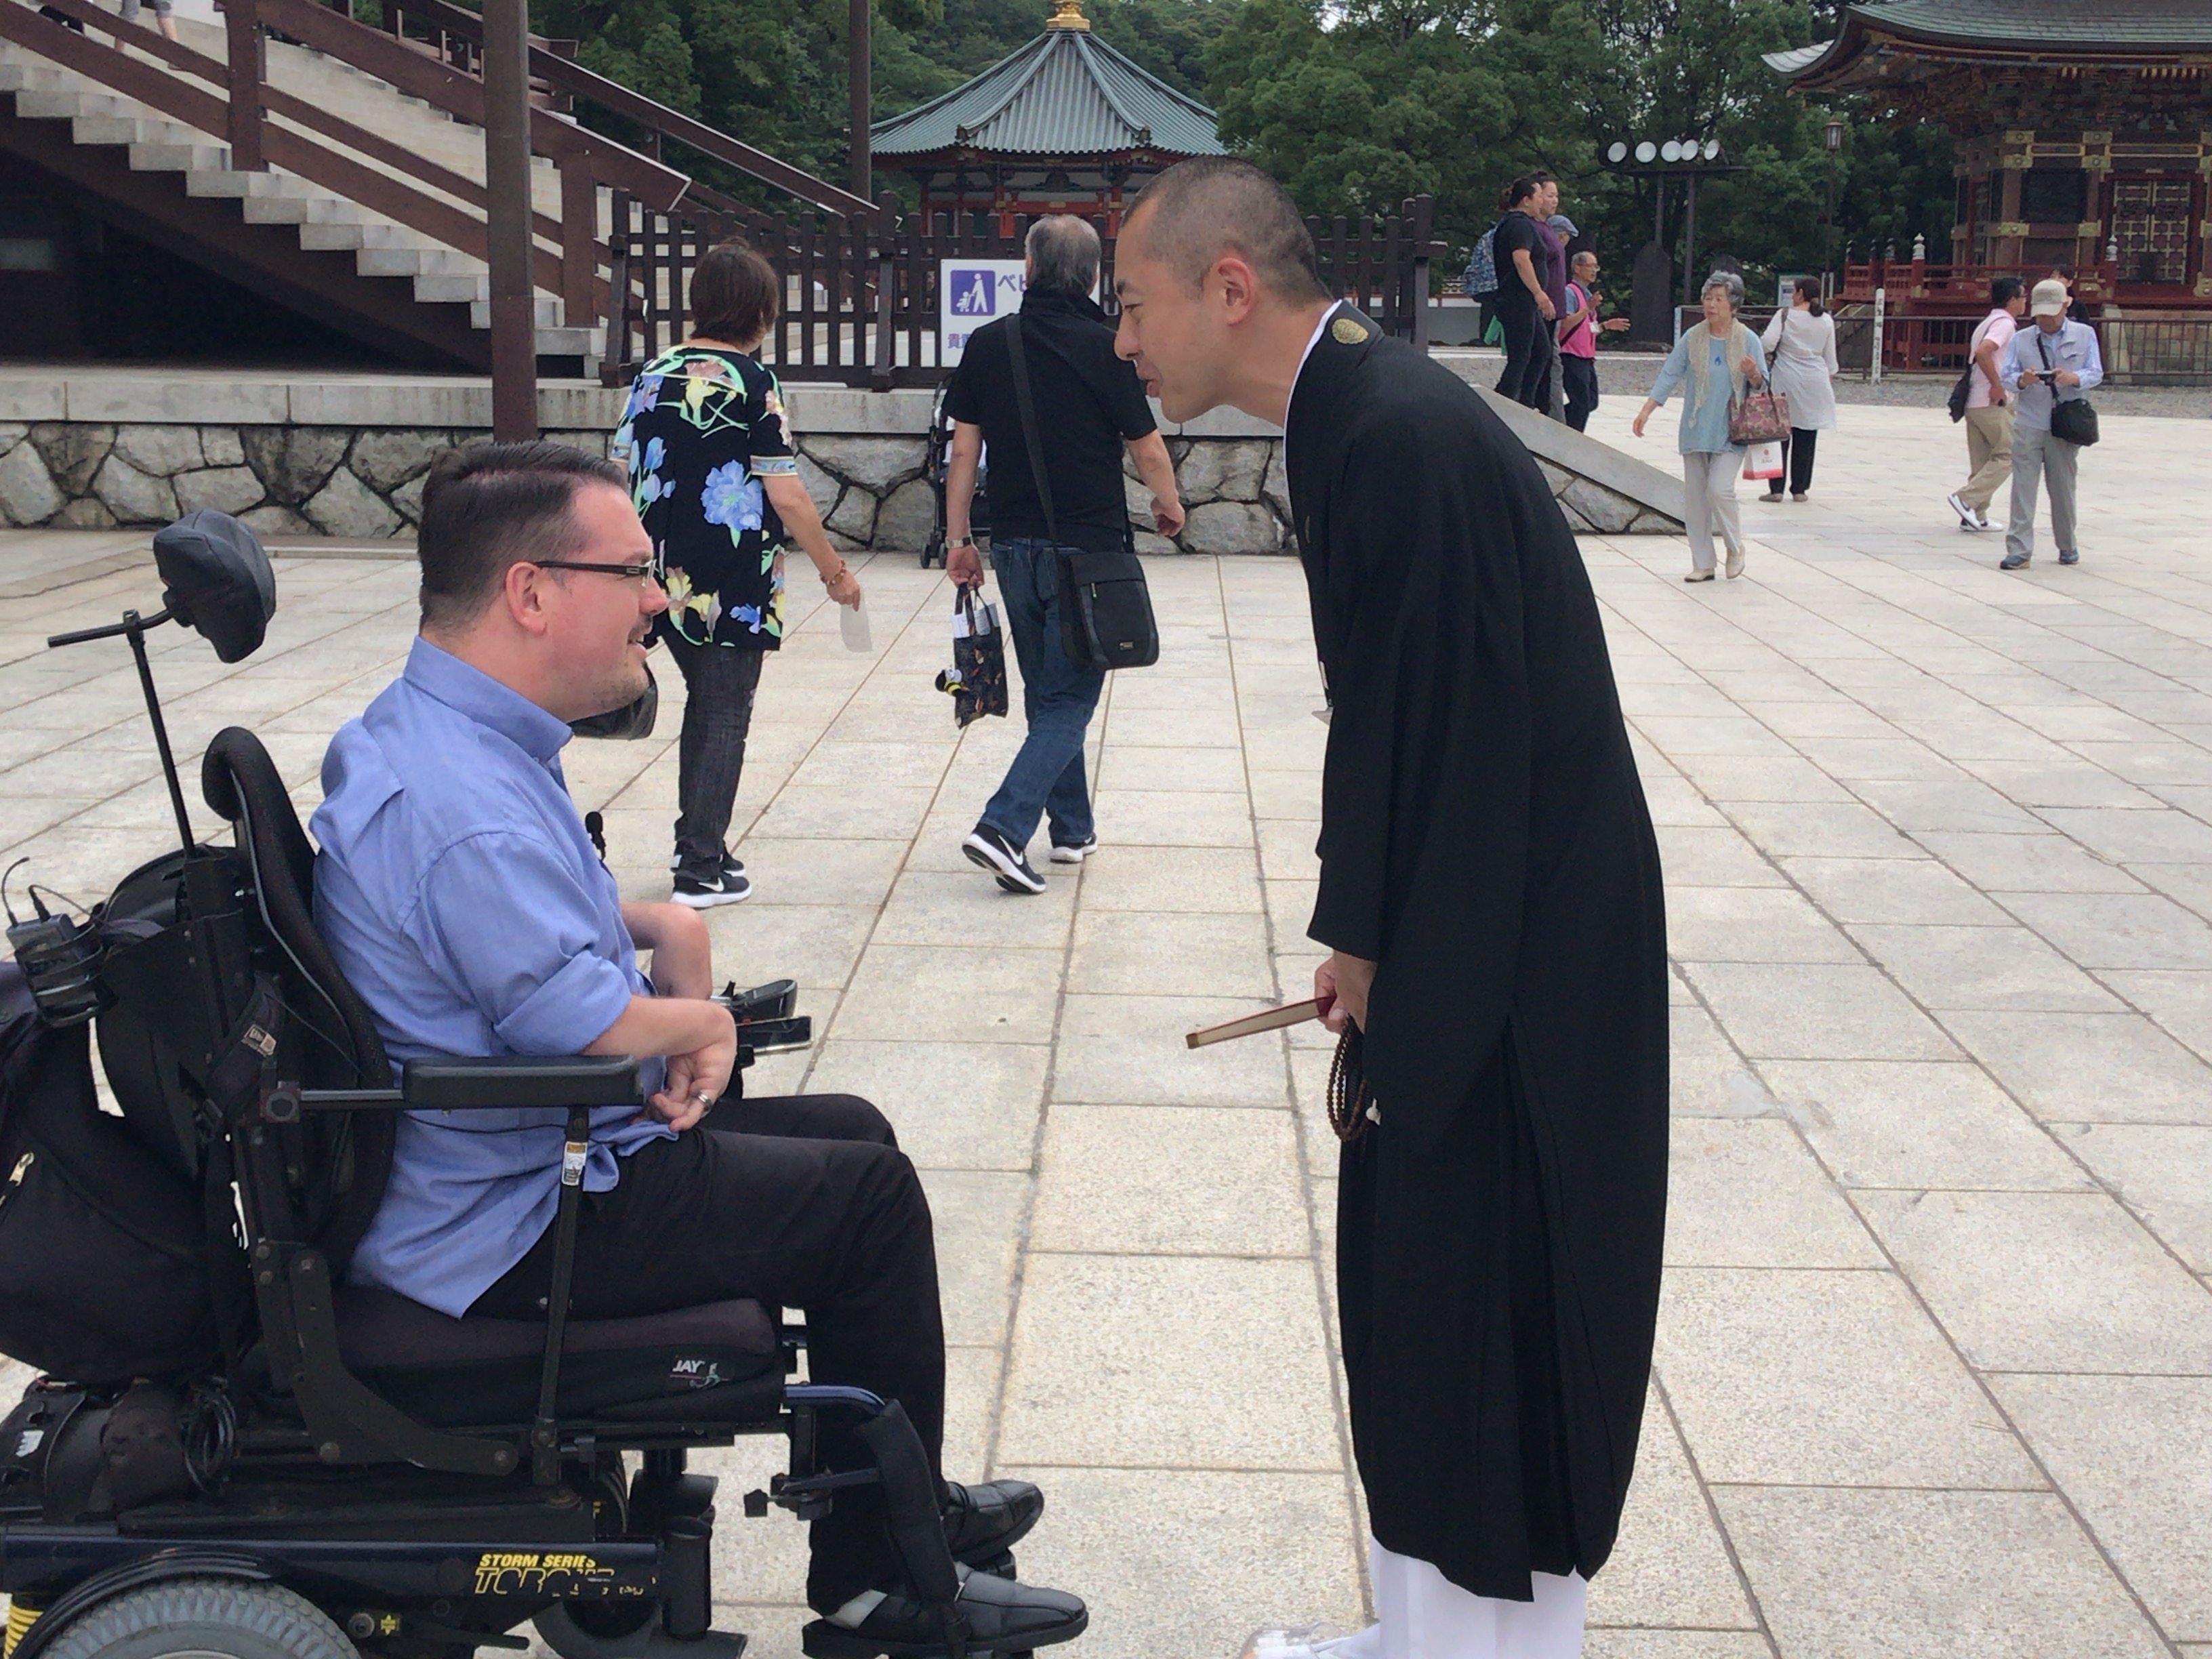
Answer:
[(1202, 210)]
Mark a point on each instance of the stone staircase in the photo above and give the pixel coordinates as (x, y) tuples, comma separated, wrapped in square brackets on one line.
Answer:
[(323, 220)]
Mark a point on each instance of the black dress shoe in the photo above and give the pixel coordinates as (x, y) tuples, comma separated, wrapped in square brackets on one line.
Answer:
[(1003, 1617), (983, 1522)]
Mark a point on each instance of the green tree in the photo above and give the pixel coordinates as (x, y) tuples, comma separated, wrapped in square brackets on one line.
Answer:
[(1354, 105), (1355, 108)]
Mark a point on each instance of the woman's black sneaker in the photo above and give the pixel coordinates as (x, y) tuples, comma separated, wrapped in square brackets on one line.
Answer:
[(1003, 1616), (987, 849), (731, 867), (730, 887)]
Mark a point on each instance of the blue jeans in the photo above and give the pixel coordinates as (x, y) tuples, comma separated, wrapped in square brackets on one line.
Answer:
[(1058, 697)]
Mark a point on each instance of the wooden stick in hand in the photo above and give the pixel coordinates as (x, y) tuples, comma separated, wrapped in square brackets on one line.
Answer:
[(1268, 1019)]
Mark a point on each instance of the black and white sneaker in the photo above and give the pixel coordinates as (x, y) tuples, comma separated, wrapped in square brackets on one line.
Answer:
[(987, 849), (731, 887), (731, 867), (1968, 518), (1074, 852)]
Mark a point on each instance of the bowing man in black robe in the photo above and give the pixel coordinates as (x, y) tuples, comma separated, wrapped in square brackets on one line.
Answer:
[(1489, 891)]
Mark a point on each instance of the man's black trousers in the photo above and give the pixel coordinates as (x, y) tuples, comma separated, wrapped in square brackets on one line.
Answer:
[(1580, 374), (802, 1201)]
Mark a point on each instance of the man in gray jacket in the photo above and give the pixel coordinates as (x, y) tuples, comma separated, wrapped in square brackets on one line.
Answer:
[(2055, 360)]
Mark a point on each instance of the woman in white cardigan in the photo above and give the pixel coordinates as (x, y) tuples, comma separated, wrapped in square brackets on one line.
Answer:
[(1801, 344)]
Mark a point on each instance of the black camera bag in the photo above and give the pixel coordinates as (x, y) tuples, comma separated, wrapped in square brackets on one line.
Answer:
[(2073, 420), (1106, 619), (103, 1247)]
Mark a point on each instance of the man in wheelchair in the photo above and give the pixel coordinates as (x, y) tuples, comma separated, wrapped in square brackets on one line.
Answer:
[(458, 890)]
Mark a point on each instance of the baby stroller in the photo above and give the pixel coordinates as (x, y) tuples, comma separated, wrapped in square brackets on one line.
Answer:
[(937, 467), (233, 1451)]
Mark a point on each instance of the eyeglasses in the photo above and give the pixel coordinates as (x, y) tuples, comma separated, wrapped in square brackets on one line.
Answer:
[(634, 573)]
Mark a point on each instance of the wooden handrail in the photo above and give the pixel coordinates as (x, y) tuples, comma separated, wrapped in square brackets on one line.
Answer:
[(112, 66), (462, 95), (612, 97)]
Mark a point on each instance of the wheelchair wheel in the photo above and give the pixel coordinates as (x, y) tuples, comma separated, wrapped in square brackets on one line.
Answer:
[(198, 1616)]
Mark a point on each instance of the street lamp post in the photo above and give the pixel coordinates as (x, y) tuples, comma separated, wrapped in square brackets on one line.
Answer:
[(1832, 140), (1689, 160)]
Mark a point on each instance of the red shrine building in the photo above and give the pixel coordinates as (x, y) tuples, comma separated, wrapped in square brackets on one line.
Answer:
[(1066, 124), (2085, 139)]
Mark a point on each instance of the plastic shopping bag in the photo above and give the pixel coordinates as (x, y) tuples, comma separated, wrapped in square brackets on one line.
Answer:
[(1762, 461)]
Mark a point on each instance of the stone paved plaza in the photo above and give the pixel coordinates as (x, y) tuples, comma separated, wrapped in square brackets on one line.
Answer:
[(1935, 1366)]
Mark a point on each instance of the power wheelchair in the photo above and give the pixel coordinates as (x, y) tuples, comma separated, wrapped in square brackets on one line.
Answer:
[(266, 1462)]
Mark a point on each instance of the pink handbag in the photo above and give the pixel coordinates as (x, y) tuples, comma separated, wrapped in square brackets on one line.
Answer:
[(1758, 417)]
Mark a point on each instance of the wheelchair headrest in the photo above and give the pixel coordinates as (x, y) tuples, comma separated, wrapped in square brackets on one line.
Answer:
[(218, 581)]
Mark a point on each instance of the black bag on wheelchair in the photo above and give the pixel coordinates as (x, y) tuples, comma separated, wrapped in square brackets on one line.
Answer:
[(103, 1252)]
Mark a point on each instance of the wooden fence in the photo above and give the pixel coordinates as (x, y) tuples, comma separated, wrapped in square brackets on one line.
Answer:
[(860, 292)]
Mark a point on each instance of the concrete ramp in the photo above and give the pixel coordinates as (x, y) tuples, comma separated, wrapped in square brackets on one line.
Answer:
[(1602, 490)]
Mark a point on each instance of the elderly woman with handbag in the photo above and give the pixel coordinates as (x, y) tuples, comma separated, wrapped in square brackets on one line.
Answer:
[(1801, 338), (1725, 366)]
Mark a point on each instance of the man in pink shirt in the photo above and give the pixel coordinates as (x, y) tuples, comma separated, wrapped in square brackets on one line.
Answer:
[(1988, 408), (1578, 327)]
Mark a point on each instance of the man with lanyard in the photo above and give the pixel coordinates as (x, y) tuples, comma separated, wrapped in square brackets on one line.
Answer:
[(1578, 341), (2055, 361), (1490, 893)]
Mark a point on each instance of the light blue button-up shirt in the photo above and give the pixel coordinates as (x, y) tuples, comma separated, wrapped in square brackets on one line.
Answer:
[(1704, 421), (2071, 345), (461, 897)]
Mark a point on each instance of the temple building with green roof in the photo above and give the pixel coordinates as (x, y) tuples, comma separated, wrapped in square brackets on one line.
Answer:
[(1065, 124)]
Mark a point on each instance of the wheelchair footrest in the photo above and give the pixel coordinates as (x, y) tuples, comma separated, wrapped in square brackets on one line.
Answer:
[(824, 1640), (649, 1640), (809, 1497)]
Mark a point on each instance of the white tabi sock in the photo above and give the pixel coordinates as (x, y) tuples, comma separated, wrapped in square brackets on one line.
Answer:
[(1421, 1614), (854, 1613), (1361, 1644)]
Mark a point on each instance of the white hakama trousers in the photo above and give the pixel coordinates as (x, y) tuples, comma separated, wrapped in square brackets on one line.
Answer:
[(1421, 1614)]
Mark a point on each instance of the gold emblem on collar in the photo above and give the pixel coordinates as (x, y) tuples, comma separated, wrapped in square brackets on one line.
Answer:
[(1346, 331)]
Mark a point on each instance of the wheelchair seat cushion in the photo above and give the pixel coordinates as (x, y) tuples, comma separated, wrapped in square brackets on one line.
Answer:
[(719, 1363)]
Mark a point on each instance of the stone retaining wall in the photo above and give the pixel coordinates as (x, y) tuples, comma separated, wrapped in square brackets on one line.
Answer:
[(334, 461), (282, 480)]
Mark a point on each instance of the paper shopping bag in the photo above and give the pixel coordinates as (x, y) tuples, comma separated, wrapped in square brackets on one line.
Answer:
[(1762, 461)]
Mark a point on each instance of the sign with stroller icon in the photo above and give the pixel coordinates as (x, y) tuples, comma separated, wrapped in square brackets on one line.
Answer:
[(970, 292)]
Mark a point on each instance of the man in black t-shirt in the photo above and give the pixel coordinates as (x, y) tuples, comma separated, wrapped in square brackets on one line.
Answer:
[(1089, 406)]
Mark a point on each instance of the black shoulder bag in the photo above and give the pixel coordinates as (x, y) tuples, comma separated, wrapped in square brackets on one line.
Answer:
[(2073, 420), (1105, 609)]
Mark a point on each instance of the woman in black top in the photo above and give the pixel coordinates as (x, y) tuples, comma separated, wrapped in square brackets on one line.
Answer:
[(715, 476), (1524, 309)]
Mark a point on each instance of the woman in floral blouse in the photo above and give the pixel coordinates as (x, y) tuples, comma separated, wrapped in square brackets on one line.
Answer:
[(715, 478)]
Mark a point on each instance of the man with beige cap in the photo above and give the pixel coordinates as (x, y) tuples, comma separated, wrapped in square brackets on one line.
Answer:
[(2055, 361)]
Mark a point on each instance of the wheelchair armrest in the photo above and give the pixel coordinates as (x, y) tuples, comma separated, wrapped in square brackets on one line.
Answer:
[(480, 1082)]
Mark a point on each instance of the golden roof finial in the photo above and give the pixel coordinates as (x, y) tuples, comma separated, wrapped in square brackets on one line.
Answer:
[(1068, 14)]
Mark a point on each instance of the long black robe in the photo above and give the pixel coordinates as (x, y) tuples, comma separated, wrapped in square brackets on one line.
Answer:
[(1485, 839)]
